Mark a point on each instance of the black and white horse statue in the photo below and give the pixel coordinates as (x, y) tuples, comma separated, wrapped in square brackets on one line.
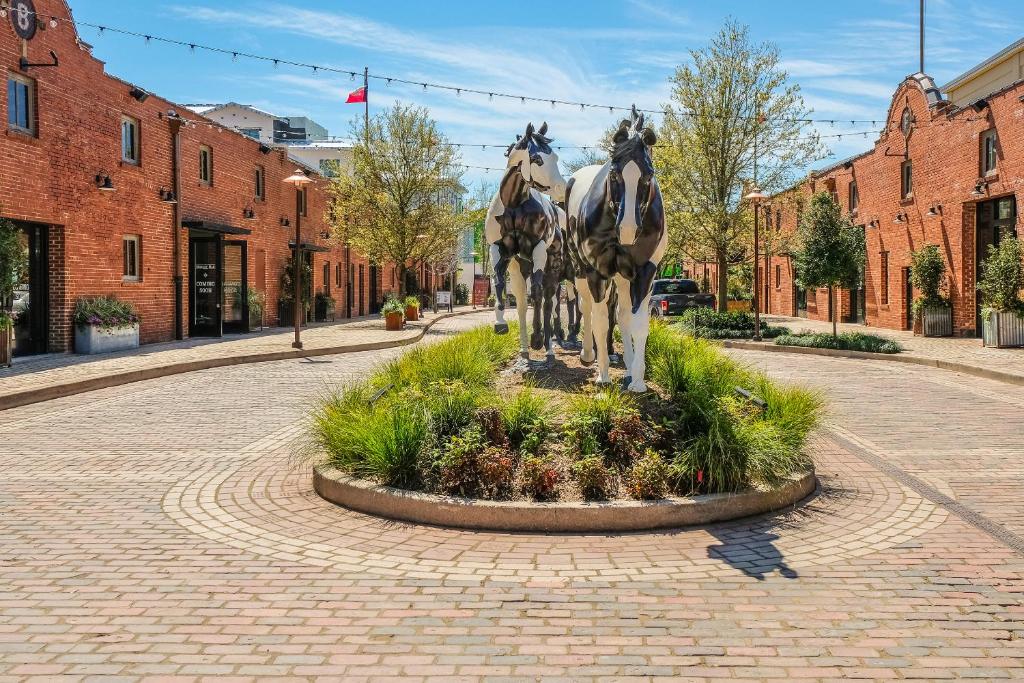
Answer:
[(523, 230), (616, 235)]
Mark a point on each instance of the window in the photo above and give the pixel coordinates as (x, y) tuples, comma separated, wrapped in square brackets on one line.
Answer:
[(303, 207), (21, 95), (907, 179), (327, 277), (778, 276), (989, 158), (253, 133), (131, 253), (130, 140), (884, 275), (854, 198), (337, 275), (205, 165), (261, 183)]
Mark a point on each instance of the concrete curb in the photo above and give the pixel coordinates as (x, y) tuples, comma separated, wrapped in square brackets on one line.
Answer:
[(610, 517), (48, 393), (984, 373)]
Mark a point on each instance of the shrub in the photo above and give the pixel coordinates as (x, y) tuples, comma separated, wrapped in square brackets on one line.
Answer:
[(647, 479), (105, 311), (392, 306), (489, 419), (1003, 276), (461, 294), (412, 302), (533, 442), (540, 478), (451, 405), (521, 413), (496, 469), (927, 273), (456, 464), (591, 418), (595, 479), (847, 341), (628, 437)]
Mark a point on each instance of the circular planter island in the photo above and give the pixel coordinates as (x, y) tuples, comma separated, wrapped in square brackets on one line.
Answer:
[(567, 517)]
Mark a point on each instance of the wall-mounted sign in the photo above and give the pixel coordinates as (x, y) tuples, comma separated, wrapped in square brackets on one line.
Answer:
[(23, 17)]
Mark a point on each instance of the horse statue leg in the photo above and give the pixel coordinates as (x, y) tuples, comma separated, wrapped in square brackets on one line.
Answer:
[(624, 318), (500, 278), (572, 312), (517, 283), (600, 325), (557, 329), (550, 302), (587, 353)]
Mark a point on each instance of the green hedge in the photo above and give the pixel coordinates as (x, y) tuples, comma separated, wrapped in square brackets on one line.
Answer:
[(708, 323), (846, 341)]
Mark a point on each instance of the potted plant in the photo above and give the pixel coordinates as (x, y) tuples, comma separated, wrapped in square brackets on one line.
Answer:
[(257, 303), (933, 315), (105, 324), (285, 310), (324, 306), (1001, 281), (412, 308), (6, 338), (393, 311)]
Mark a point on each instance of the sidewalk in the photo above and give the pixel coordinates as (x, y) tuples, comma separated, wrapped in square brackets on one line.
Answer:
[(947, 352), (35, 378)]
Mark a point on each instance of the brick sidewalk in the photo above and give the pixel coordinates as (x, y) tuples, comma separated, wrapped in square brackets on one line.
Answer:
[(33, 373), (969, 352)]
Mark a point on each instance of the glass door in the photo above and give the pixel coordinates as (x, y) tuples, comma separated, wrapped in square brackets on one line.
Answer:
[(204, 286), (235, 291), (31, 292)]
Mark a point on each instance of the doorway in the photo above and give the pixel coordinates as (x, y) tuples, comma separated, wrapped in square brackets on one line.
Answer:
[(908, 300), (31, 293), (235, 297), (374, 295), (800, 297), (362, 288), (995, 219), (205, 266)]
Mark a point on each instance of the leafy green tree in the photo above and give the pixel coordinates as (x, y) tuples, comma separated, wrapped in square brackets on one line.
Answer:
[(399, 204), (731, 106), (1002, 276), (831, 252), (13, 266), (927, 274)]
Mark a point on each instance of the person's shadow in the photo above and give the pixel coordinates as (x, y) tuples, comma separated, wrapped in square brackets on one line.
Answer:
[(750, 549)]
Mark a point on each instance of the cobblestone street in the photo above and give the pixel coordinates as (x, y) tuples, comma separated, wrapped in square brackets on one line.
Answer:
[(167, 528)]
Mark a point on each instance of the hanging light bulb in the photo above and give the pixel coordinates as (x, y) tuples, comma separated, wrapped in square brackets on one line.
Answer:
[(490, 97), (351, 75), (53, 22), (458, 92)]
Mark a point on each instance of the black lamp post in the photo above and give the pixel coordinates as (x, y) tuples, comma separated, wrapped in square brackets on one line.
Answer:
[(755, 197), (298, 180), (472, 289)]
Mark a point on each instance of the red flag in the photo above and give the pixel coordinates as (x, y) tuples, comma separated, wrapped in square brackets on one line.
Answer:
[(357, 96)]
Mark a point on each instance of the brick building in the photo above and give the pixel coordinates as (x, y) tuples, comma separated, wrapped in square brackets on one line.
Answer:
[(118, 191), (945, 171)]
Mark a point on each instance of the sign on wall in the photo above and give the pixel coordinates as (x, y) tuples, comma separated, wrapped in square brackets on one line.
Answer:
[(23, 18)]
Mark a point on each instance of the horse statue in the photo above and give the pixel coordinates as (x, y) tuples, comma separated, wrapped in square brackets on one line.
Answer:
[(616, 236), (523, 230)]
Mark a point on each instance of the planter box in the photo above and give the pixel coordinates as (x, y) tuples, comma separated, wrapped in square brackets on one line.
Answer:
[(937, 321), (286, 316), (393, 322), (1003, 330), (6, 347), (412, 313), (90, 339)]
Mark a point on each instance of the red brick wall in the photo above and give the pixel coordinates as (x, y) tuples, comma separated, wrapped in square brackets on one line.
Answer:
[(50, 179)]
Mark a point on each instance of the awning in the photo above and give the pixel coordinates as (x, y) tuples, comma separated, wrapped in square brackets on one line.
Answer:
[(215, 227), (308, 246)]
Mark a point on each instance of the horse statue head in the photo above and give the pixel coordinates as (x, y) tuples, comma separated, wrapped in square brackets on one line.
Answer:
[(630, 186), (537, 162)]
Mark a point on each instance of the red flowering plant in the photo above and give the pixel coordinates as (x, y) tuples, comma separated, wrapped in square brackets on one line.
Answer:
[(107, 312)]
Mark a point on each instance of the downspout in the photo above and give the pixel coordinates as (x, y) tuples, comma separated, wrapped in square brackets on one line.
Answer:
[(176, 123)]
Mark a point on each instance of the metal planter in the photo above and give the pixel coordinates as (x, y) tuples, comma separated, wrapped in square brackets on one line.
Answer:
[(91, 339), (938, 321), (6, 346), (1003, 330)]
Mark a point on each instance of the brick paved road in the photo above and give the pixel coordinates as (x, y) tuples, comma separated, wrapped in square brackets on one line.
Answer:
[(168, 528)]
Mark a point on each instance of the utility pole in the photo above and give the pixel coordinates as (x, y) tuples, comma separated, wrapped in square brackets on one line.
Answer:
[(922, 37), (366, 104)]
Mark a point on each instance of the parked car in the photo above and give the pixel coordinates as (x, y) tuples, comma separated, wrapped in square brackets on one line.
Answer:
[(676, 296)]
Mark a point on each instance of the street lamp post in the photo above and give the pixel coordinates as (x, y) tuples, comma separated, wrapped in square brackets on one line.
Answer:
[(472, 288), (755, 197), (298, 180)]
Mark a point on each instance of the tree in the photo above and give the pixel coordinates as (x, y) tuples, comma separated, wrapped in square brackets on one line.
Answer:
[(13, 267), (399, 203), (831, 252), (731, 109), (589, 157), (477, 205), (1002, 276)]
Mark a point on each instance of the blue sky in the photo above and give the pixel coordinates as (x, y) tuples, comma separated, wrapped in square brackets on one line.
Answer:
[(847, 57)]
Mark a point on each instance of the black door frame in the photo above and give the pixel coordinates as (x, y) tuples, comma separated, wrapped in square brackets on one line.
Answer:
[(998, 227), (908, 298), (243, 326), (38, 291), (374, 294), (215, 329)]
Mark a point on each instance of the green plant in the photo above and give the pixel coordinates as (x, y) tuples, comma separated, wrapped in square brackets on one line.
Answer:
[(13, 259), (6, 320), (847, 341), (832, 252), (461, 294), (540, 478), (257, 303), (496, 468), (595, 479), (450, 404), (287, 288), (708, 323), (629, 436), (491, 423), (647, 479), (457, 466), (1002, 276), (520, 414), (927, 274), (412, 302), (106, 312), (537, 433), (391, 306)]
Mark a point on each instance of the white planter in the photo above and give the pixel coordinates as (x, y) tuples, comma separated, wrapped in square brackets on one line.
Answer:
[(1003, 330), (90, 339)]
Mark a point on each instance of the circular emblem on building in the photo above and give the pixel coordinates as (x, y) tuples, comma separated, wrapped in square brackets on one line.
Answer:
[(906, 121), (23, 18)]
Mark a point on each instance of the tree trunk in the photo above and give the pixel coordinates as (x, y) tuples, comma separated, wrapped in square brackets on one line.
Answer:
[(723, 281), (835, 313), (400, 267)]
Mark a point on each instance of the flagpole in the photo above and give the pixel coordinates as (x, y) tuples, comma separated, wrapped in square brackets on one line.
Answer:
[(366, 103), (922, 36)]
